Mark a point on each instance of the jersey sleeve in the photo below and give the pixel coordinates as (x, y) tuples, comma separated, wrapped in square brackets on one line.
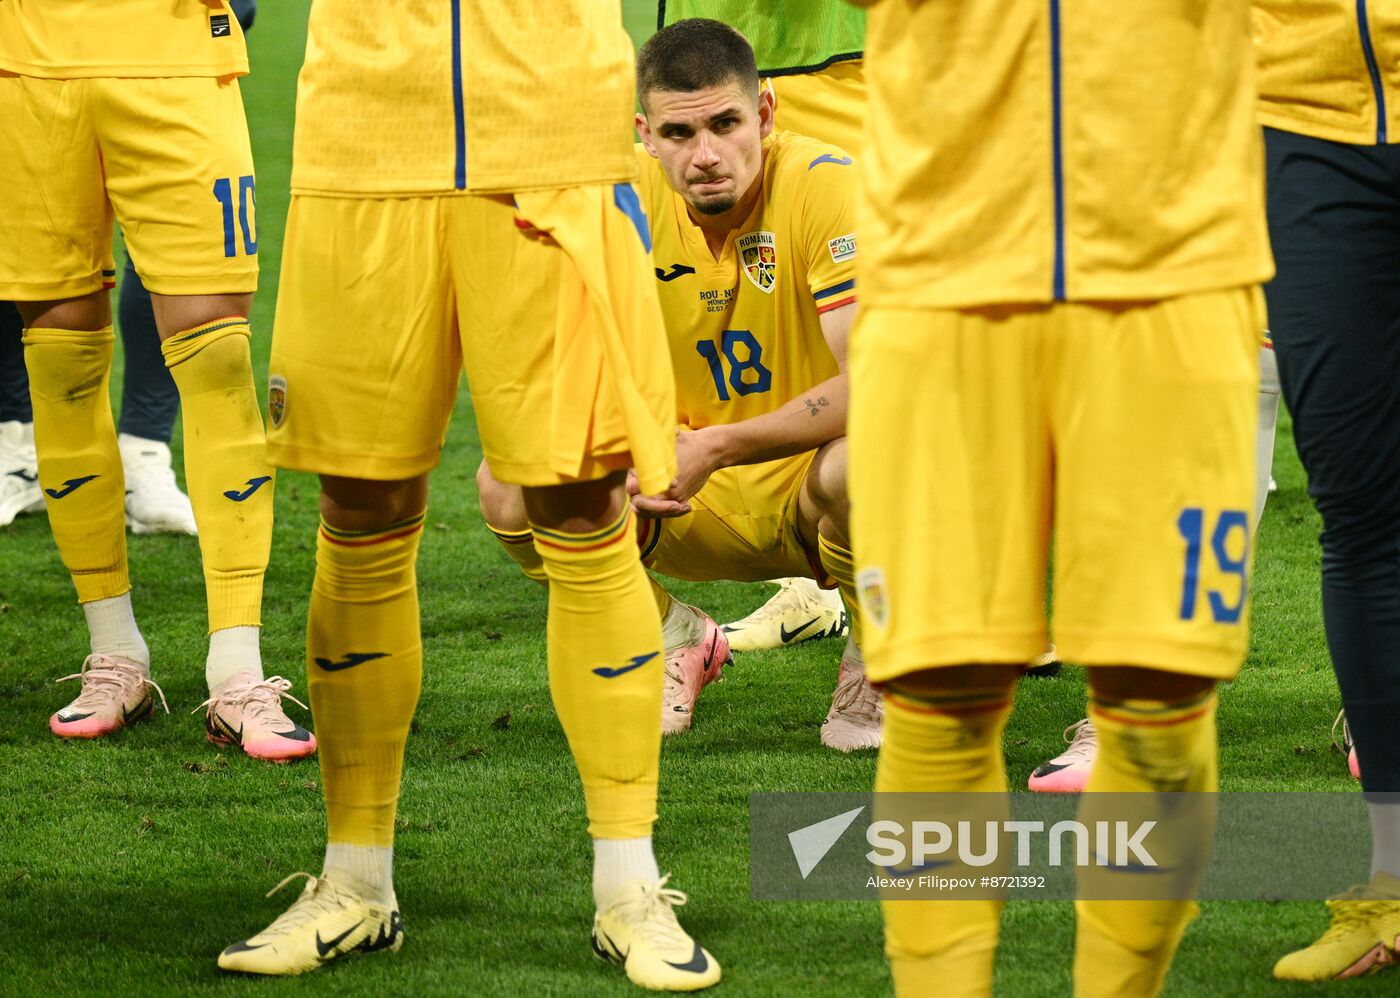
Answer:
[(828, 226)]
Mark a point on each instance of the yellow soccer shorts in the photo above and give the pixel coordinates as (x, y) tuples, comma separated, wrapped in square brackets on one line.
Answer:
[(168, 158), (742, 527), (1125, 433), (383, 302), (828, 105)]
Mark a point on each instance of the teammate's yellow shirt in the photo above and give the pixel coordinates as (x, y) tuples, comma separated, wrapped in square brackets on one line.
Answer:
[(82, 39), (745, 330), (1051, 169), (1330, 68), (435, 96)]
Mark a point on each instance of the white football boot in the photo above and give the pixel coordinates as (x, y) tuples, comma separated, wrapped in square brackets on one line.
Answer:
[(154, 503), (19, 472), (799, 611)]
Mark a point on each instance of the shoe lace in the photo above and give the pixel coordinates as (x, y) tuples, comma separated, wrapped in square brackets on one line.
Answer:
[(257, 697), (1342, 745), (105, 679), (318, 896), (1083, 742), (854, 695), (652, 911)]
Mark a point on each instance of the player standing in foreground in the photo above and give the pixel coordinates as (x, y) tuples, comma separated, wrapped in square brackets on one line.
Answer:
[(132, 110), (1329, 87), (401, 238), (755, 251), (1059, 334)]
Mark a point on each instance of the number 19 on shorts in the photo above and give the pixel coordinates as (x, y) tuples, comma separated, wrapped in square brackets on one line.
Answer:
[(1222, 540), (227, 190)]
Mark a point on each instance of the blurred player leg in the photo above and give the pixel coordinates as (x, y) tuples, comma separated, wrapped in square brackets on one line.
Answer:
[(927, 620), (1333, 314), (19, 465), (1156, 733), (943, 734), (854, 719), (1269, 395), (150, 402), (1166, 394)]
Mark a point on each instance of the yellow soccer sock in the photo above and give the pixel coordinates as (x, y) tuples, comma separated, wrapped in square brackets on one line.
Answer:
[(364, 668), (520, 545), (1124, 948), (226, 467), (80, 468), (605, 672), (664, 600), (840, 565), (945, 744)]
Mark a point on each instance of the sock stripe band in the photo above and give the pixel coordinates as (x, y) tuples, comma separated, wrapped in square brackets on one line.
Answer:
[(364, 538), (512, 536), (1152, 714), (648, 536), (611, 534), (1126, 716), (211, 327), (960, 705)]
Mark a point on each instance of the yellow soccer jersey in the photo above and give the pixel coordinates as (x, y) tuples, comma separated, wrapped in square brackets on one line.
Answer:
[(435, 96), (79, 39), (1330, 68), (1043, 150), (744, 330)]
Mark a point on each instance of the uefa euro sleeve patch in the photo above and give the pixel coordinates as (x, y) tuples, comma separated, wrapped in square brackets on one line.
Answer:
[(842, 248)]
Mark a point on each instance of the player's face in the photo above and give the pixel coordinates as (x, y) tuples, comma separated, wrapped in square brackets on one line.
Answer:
[(709, 142)]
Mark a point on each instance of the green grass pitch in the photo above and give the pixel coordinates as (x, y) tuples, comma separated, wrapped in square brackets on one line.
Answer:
[(126, 865)]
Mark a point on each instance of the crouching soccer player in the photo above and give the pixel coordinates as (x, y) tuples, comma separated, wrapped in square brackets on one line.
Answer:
[(754, 248), (402, 239), (132, 110), (1059, 337)]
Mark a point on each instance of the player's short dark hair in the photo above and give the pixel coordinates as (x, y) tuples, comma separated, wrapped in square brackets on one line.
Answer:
[(695, 54)]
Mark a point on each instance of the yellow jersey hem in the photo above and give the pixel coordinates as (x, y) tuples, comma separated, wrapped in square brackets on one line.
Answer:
[(432, 189), (122, 71), (1192, 658), (72, 287), (1358, 135), (224, 283), (372, 467), (1138, 288), (986, 648), (537, 474)]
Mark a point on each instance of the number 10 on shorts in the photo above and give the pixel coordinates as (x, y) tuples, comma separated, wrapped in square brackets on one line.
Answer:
[(247, 201), (1230, 531)]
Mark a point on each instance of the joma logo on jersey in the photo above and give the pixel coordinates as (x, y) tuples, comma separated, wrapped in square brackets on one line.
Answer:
[(759, 253)]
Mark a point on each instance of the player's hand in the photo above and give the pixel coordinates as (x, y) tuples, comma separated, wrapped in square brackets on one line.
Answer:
[(697, 458), (653, 507)]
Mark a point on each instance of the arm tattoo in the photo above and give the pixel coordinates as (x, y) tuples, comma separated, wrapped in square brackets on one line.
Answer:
[(814, 406)]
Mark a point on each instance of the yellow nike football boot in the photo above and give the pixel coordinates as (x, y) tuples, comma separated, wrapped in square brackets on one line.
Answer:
[(637, 930), (327, 920), (1364, 936)]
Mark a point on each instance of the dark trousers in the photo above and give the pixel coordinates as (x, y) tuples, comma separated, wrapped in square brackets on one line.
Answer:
[(150, 399), (1334, 312)]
